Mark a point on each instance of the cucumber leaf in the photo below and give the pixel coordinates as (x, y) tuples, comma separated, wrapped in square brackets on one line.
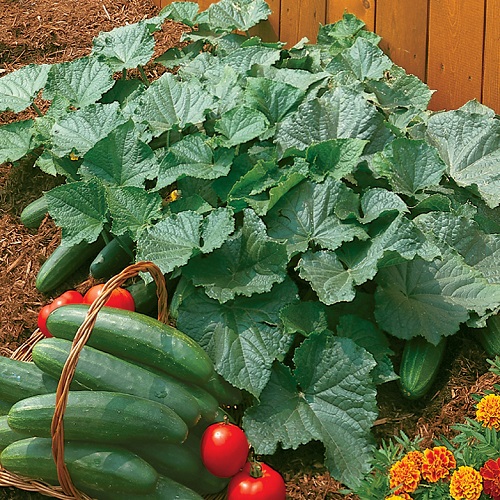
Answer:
[(242, 336), (330, 397)]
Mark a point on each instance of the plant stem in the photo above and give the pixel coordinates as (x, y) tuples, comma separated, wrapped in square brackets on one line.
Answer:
[(124, 73), (37, 109), (144, 78)]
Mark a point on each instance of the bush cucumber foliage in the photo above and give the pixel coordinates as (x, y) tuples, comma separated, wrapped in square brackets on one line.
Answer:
[(307, 200)]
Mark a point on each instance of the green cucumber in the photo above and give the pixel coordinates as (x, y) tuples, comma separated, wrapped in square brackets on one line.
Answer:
[(489, 336), (100, 371), (8, 435), (420, 364), (93, 467), (166, 489), (63, 262), (102, 416), (112, 258), (145, 298), (34, 213), (22, 379), (183, 464), (134, 336)]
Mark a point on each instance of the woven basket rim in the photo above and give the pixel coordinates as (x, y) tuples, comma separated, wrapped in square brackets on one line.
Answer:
[(67, 490)]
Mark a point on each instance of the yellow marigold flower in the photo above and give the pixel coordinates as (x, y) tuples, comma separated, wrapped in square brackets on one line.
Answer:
[(401, 496), (466, 484), (437, 463), (488, 411), (404, 476)]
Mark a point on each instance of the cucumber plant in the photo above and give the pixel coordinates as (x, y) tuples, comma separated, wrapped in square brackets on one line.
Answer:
[(306, 201)]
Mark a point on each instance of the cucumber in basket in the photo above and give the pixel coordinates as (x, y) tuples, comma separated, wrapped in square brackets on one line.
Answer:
[(7, 435), (102, 416), (93, 467), (134, 336), (100, 371), (183, 464), (21, 379)]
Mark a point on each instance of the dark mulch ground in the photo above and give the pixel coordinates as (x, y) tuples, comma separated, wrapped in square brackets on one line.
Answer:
[(53, 31)]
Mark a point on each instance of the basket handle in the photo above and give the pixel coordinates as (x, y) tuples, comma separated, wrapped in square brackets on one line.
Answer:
[(80, 339)]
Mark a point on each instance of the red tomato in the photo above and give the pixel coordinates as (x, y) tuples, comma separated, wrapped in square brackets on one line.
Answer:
[(42, 319), (257, 481), (69, 297), (119, 298), (224, 449)]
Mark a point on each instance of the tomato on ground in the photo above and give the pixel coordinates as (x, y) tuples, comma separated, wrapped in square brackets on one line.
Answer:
[(224, 449), (257, 481), (119, 298)]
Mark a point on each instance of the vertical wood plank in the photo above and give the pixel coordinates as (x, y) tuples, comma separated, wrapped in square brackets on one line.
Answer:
[(491, 81), (456, 33), (363, 9), (403, 28), (204, 4), (301, 19), (269, 30)]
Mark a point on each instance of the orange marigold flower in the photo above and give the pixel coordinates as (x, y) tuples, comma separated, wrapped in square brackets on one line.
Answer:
[(490, 472), (488, 411), (404, 476), (437, 463), (466, 484), (401, 496), (417, 457)]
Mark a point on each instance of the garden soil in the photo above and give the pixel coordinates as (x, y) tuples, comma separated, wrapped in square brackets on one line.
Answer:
[(44, 31)]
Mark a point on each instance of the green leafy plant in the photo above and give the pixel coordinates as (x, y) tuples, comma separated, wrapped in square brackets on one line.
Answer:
[(306, 200)]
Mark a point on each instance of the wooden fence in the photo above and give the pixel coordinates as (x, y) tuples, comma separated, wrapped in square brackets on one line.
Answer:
[(452, 45)]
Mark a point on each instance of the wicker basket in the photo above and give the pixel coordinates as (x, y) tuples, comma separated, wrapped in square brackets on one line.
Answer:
[(67, 490)]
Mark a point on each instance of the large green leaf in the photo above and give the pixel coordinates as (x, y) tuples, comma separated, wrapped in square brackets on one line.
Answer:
[(363, 59), (132, 209), (183, 12), (378, 201), (479, 250), (329, 398), (175, 239), (339, 113), (247, 263), (81, 81), (273, 98), (168, 102), (337, 158), (469, 143), (125, 47), (16, 140), (194, 157), (242, 59), (243, 336), (367, 335), (431, 299), (19, 88), (308, 215), (240, 125), (121, 159), (80, 208), (80, 130), (229, 15), (334, 275), (410, 166)]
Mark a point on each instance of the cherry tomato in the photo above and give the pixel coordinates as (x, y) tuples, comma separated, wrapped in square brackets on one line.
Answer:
[(42, 319), (69, 297), (119, 298), (224, 449), (257, 481)]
